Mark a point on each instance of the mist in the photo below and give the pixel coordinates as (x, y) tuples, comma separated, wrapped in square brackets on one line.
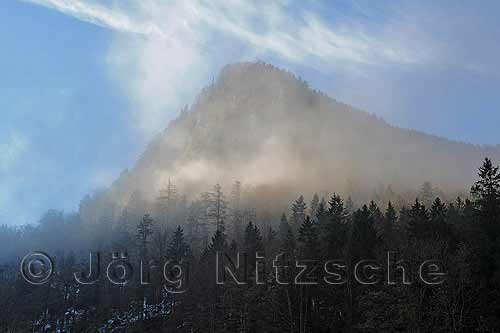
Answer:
[(263, 126)]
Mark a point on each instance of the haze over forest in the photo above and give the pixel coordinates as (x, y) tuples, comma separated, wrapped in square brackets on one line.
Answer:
[(264, 128)]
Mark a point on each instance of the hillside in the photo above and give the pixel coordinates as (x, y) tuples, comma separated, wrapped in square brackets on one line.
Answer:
[(263, 126)]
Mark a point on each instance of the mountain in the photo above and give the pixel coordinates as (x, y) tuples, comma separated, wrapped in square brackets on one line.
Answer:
[(263, 126)]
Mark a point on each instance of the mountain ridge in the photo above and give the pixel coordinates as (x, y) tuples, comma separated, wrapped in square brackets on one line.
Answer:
[(258, 117)]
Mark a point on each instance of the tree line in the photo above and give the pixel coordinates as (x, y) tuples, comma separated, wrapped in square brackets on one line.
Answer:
[(462, 234)]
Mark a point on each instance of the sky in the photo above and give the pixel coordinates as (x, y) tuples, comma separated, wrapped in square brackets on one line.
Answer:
[(86, 84)]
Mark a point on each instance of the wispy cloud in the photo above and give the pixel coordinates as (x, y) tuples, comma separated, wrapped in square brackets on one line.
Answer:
[(100, 15), (15, 145), (167, 49), (183, 41), (265, 26)]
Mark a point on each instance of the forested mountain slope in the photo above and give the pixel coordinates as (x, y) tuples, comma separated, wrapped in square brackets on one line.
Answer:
[(263, 126)]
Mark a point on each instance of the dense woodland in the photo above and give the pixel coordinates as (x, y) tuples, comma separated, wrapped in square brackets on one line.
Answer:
[(463, 234)]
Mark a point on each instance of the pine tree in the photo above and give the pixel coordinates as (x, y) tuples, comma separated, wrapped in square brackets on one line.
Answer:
[(284, 227), (144, 230), (455, 211), (438, 211), (376, 214), (485, 209), (314, 206), (168, 200), (333, 227), (253, 239), (253, 244), (363, 235), (308, 239), (486, 192), (322, 216), (438, 217), (390, 220), (299, 208), (178, 248), (218, 242), (217, 208), (418, 222), (336, 209)]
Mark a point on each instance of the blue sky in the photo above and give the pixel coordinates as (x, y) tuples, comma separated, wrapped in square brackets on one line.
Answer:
[(86, 84)]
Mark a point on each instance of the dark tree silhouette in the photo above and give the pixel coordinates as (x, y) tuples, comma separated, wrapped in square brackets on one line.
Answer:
[(178, 248), (144, 230), (308, 239)]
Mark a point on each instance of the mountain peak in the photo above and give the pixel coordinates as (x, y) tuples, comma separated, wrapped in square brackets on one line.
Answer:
[(258, 76), (250, 69), (262, 125)]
